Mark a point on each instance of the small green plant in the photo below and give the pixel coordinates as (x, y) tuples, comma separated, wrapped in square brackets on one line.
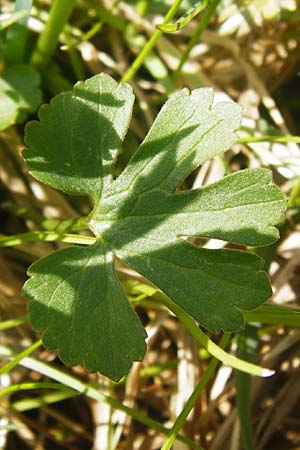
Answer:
[(140, 218)]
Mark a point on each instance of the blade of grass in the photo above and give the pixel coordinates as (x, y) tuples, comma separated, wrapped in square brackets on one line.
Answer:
[(18, 358), (246, 349), (106, 15), (152, 61), (103, 14), (47, 236), (12, 323), (180, 421), (84, 388), (32, 386), (26, 404), (32, 403), (212, 348), (74, 57), (283, 139)]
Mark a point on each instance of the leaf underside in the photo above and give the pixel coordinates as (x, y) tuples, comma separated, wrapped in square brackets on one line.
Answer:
[(76, 298)]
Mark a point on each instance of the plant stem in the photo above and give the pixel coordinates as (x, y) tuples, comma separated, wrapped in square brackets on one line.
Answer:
[(180, 421), (131, 71), (48, 236), (46, 44), (208, 13)]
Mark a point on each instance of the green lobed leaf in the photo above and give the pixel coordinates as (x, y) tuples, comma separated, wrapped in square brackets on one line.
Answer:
[(76, 299), (19, 94), (83, 310), (79, 134)]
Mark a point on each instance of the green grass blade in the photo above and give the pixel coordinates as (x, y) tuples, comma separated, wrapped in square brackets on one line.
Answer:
[(12, 323), (181, 419), (247, 344), (27, 404), (32, 386), (83, 388), (18, 358), (281, 139), (47, 236)]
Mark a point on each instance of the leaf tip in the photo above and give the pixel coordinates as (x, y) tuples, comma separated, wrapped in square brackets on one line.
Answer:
[(267, 373)]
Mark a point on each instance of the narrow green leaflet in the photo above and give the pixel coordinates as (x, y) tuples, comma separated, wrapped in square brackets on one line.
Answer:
[(19, 94), (76, 299)]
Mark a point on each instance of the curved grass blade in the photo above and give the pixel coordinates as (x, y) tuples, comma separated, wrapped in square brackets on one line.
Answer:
[(181, 419), (33, 386)]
